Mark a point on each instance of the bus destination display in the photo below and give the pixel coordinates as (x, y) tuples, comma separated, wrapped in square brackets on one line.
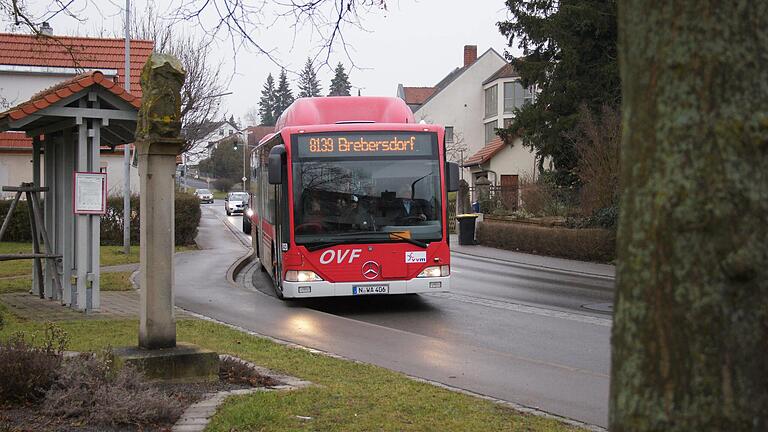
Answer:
[(365, 144)]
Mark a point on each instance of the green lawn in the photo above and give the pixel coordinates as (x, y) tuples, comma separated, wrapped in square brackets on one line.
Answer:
[(110, 255), (348, 396), (110, 281)]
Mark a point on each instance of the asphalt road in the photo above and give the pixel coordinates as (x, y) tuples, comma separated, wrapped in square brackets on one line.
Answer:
[(512, 332)]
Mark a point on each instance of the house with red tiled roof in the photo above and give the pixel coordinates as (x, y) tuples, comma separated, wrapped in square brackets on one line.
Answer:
[(37, 71), (472, 101), (414, 97)]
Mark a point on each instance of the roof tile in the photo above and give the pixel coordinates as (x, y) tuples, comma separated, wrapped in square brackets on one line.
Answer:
[(51, 95), (417, 95), (76, 52), (486, 153)]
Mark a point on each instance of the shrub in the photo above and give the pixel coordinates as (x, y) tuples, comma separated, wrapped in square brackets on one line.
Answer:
[(186, 220), (90, 389), (29, 370), (597, 140), (112, 221), (592, 244), (18, 228), (236, 371), (602, 218), (544, 197)]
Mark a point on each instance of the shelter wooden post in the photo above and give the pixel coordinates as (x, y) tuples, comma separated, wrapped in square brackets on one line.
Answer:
[(50, 202), (37, 271)]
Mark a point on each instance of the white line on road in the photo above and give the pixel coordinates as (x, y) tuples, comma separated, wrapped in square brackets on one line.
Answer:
[(515, 307)]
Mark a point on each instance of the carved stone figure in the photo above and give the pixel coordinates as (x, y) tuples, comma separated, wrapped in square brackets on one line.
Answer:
[(160, 113)]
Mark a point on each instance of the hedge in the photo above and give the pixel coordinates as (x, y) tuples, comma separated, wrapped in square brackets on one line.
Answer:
[(18, 230), (187, 220), (587, 244)]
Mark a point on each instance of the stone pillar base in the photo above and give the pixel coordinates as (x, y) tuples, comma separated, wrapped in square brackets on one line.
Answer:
[(181, 364)]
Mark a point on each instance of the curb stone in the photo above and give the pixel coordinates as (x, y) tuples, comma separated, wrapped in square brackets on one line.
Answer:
[(197, 416)]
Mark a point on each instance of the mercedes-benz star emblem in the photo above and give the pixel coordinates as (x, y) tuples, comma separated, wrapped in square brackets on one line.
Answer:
[(371, 270)]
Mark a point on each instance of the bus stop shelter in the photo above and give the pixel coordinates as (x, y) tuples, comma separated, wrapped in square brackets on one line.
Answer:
[(69, 123)]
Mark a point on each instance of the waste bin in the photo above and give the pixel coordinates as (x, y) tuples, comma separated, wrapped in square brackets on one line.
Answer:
[(466, 228)]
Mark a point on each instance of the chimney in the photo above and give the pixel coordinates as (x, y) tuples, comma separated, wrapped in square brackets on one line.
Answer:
[(46, 29), (470, 54)]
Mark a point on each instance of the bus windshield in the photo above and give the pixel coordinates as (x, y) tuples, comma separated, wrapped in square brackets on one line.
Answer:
[(357, 200)]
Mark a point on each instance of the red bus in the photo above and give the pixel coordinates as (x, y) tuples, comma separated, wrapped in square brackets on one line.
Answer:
[(348, 197)]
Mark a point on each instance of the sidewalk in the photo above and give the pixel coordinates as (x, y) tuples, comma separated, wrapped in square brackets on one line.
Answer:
[(114, 305), (544, 262)]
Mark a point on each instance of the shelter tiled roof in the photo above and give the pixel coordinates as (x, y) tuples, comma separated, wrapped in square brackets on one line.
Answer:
[(486, 153), (64, 89), (76, 52), (417, 95)]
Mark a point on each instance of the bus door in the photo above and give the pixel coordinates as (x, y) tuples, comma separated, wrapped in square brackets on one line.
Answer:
[(279, 210)]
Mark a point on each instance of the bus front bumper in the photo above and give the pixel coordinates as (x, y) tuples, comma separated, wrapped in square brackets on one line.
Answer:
[(387, 287)]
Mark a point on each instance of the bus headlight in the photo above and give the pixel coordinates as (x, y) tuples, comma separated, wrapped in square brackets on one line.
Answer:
[(435, 271), (301, 276), (249, 212)]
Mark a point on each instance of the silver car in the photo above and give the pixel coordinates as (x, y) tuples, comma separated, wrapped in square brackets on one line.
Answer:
[(235, 202)]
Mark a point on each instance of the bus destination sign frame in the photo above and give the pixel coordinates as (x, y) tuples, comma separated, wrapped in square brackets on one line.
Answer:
[(356, 144)]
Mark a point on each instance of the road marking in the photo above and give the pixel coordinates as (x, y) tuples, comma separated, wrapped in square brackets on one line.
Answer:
[(516, 307)]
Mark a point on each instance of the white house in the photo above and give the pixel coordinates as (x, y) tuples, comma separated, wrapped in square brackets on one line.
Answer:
[(211, 132), (471, 102), (30, 64)]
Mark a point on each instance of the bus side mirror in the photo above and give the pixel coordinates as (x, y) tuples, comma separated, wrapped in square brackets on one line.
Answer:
[(452, 176), (275, 165)]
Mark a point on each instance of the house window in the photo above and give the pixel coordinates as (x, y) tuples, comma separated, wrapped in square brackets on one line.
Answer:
[(516, 96), (221, 132), (449, 134), (490, 131), (491, 101), (230, 131)]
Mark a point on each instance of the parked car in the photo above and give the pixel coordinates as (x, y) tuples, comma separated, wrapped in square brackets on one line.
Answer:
[(204, 195), (235, 202)]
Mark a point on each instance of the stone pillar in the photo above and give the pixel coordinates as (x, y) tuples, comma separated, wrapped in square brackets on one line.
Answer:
[(157, 165), (158, 143)]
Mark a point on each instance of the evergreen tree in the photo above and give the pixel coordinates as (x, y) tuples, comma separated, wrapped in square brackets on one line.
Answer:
[(283, 95), (569, 50), (309, 86), (267, 103), (340, 83)]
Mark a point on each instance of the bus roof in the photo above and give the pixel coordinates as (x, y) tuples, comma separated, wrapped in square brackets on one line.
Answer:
[(345, 109)]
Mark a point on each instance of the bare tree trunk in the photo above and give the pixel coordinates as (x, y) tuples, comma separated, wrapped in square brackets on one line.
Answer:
[(690, 334)]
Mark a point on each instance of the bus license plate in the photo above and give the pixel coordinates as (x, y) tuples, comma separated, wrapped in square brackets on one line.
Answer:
[(370, 289)]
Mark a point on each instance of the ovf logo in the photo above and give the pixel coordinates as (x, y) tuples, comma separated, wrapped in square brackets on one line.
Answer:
[(371, 270)]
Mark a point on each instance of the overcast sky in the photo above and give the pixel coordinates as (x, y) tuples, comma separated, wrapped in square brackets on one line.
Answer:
[(414, 42)]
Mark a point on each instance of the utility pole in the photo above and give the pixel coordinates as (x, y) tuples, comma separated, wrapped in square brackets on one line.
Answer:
[(127, 148)]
